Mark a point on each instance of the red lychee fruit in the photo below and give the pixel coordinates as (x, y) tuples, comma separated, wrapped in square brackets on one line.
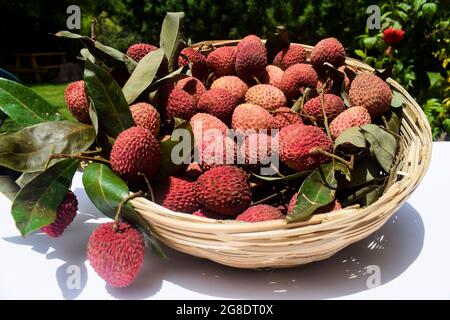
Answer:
[(251, 57), (177, 194), (297, 144), (249, 116), (260, 212), (65, 214), (333, 106), (352, 117), (199, 64), (327, 50), (294, 54), (219, 103), (139, 50), (76, 101), (225, 190), (297, 77), (116, 256), (221, 61), (193, 86), (284, 116), (233, 84), (135, 151), (266, 96), (272, 76), (176, 103), (333, 206), (145, 115)]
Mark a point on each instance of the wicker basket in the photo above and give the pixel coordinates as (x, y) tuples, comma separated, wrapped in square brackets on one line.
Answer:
[(277, 244)]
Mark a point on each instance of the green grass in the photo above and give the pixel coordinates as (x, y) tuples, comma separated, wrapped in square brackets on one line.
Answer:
[(53, 93)]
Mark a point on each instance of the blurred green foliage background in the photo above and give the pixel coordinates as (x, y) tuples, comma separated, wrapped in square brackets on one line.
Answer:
[(421, 59)]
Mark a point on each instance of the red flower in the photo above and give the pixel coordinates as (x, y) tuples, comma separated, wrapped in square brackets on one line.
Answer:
[(393, 36)]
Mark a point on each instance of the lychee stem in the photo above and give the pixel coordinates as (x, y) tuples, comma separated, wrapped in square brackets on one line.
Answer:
[(93, 27), (121, 204), (256, 80), (97, 150), (279, 193), (147, 182), (325, 118), (349, 164), (78, 156)]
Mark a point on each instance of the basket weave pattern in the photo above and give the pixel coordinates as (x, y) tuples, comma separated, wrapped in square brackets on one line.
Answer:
[(278, 244)]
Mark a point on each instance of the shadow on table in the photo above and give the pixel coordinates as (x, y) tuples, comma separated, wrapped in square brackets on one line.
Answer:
[(393, 249)]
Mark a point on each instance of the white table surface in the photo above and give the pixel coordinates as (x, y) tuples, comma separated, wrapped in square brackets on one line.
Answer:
[(412, 251)]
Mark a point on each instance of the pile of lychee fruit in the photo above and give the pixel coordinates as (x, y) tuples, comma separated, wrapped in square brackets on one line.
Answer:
[(231, 87)]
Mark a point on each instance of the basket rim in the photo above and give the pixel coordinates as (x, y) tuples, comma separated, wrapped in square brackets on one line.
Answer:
[(315, 222)]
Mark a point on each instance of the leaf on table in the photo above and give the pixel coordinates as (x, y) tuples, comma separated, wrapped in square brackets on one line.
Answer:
[(29, 149), (36, 203), (24, 106), (113, 112)]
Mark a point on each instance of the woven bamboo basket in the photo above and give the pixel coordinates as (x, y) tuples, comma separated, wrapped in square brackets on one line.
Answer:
[(278, 244)]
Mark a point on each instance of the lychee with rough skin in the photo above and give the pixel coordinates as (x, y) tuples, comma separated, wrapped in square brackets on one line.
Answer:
[(204, 125), (221, 61), (333, 105), (177, 194), (204, 213), (266, 96), (272, 76), (225, 190), (294, 54), (371, 92), (282, 117), (333, 206), (76, 101), (215, 151), (257, 149), (135, 151), (297, 77), (193, 86), (176, 103), (352, 117), (219, 103), (298, 143), (67, 210), (249, 116), (145, 115), (139, 50), (233, 84), (327, 50), (199, 65), (116, 255), (260, 212), (251, 57)]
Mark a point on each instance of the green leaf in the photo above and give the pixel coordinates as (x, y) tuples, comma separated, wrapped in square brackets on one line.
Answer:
[(108, 55), (9, 187), (29, 149), (285, 178), (382, 144), (365, 172), (112, 108), (106, 191), (404, 6), (394, 121), (360, 53), (143, 75), (170, 38), (370, 42), (397, 100), (359, 194), (26, 177), (315, 192), (150, 241), (24, 106), (418, 3), (351, 136), (175, 76), (166, 166), (36, 204), (277, 41), (404, 16)]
